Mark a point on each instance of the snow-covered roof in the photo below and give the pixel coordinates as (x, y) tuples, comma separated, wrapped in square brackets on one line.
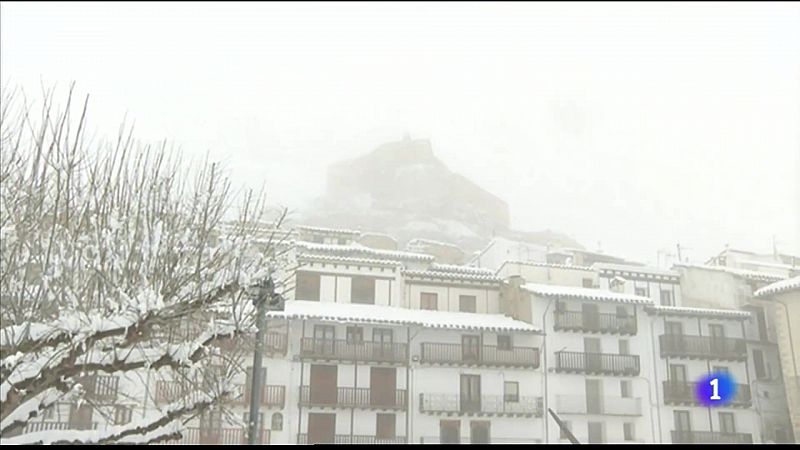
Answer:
[(547, 290), (635, 269), (349, 260), (542, 264), (459, 276), (685, 311), (747, 274), (412, 242), (327, 230), (452, 268), (356, 313), (791, 284), (361, 250)]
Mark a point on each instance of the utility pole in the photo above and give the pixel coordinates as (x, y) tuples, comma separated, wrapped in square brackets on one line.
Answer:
[(265, 299)]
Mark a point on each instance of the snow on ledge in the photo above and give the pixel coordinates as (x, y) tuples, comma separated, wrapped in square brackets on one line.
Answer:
[(348, 312), (792, 284), (707, 312), (546, 290)]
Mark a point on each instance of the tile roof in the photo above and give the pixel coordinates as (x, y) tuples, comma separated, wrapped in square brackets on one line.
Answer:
[(791, 284), (686, 311), (547, 290), (743, 273)]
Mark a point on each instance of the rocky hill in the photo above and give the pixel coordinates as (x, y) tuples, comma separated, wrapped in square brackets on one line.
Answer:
[(402, 189)]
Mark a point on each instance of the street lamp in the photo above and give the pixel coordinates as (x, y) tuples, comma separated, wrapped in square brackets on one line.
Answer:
[(265, 299)]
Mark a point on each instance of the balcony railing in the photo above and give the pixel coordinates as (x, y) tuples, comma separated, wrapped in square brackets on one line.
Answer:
[(597, 323), (597, 363), (217, 436), (704, 347), (274, 344), (170, 391), (271, 395), (611, 406), (497, 405), (492, 440), (302, 439), (351, 397), (100, 388), (483, 355), (339, 349), (33, 427), (710, 437), (683, 393)]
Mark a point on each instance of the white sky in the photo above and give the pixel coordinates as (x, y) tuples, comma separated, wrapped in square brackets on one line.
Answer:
[(634, 125)]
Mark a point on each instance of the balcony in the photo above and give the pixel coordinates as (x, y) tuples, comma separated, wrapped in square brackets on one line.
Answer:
[(611, 406), (710, 437), (33, 427), (100, 388), (302, 439), (274, 344), (484, 355), (597, 363), (681, 393), (351, 397), (216, 436), (486, 405), (702, 347), (492, 440), (272, 395), (600, 323), (341, 350)]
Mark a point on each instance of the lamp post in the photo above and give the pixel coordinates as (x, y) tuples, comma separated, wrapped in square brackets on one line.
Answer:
[(265, 299)]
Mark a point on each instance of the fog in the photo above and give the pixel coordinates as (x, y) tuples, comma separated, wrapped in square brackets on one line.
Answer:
[(629, 127)]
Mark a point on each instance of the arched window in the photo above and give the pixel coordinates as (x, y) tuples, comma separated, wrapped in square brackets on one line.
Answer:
[(277, 422)]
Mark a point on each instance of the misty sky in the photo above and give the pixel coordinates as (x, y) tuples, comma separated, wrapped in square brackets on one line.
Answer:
[(632, 126)]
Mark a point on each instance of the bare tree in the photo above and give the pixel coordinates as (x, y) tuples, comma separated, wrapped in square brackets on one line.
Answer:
[(109, 251)]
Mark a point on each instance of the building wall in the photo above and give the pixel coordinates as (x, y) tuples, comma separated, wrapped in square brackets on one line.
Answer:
[(487, 299)]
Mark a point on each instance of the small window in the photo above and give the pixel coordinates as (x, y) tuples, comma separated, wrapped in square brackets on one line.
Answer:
[(503, 342), (342, 241), (628, 430), (49, 412), (511, 391), (355, 335), (588, 283), (625, 388), (307, 286), (624, 347), (666, 298), (466, 303), (362, 290), (277, 422), (641, 291), (122, 415), (428, 301), (758, 361), (726, 423)]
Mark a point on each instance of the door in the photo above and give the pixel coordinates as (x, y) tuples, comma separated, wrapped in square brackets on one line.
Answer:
[(382, 339), (673, 336), (470, 348), (324, 339), (321, 428), (248, 384), (323, 384), (211, 428), (470, 393), (717, 338), (591, 317), (683, 426), (385, 426), (594, 397), (726, 423), (383, 386), (595, 432), (592, 350), (680, 389), (479, 432), (449, 432), (80, 418)]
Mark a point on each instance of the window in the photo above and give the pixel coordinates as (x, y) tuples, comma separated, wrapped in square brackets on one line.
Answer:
[(307, 286), (628, 431), (277, 422), (450, 431), (624, 347), (385, 426), (595, 432), (641, 291), (588, 283), (726, 423), (49, 412), (503, 342), (666, 298), (625, 388), (673, 328), (355, 335), (362, 290), (122, 415), (758, 361), (562, 433), (621, 311), (466, 303), (720, 369), (428, 301), (342, 241), (511, 391), (382, 336)]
